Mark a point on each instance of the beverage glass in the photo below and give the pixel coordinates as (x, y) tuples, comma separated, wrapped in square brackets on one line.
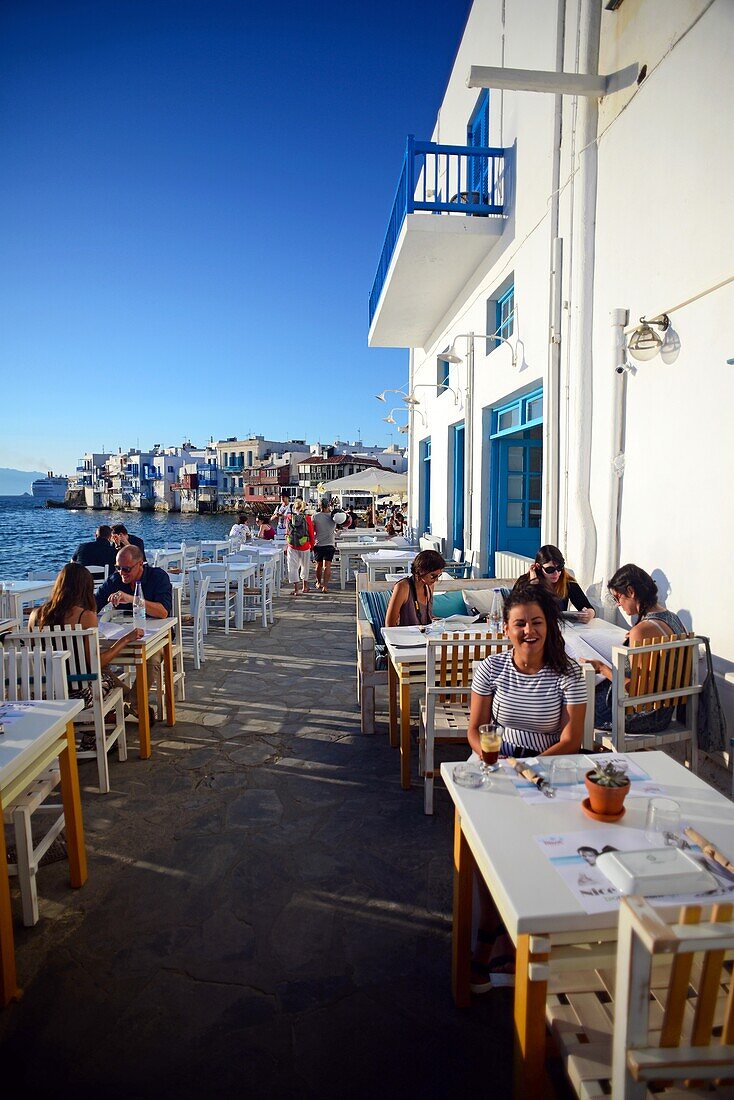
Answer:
[(563, 771), (662, 822), (490, 743)]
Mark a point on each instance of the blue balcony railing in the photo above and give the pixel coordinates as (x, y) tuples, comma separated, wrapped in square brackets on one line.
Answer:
[(207, 477), (442, 179)]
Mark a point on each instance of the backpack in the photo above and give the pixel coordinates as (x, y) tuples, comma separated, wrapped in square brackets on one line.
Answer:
[(298, 531)]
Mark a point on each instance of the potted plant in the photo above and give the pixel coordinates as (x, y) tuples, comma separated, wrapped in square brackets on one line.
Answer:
[(607, 785)]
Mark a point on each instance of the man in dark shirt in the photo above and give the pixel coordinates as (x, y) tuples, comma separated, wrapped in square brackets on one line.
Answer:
[(119, 588), (121, 537), (99, 552)]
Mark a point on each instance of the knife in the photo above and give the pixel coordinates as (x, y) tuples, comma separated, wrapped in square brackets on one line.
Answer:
[(534, 777)]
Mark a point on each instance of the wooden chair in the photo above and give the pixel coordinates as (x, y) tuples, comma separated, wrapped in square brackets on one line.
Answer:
[(32, 674), (663, 1018), (222, 598), (85, 670), (444, 714), (179, 673), (260, 597), (663, 673)]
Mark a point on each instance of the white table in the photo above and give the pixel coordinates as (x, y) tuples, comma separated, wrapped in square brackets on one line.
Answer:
[(352, 547), (7, 626), (42, 732), (386, 561), (20, 593), (156, 639), (494, 835)]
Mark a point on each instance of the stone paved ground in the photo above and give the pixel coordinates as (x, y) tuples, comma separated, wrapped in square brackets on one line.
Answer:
[(266, 913)]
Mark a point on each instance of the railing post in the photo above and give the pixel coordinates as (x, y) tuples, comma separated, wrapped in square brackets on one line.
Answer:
[(410, 173)]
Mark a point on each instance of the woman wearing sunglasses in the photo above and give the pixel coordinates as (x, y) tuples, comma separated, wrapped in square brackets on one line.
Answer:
[(411, 602), (549, 570)]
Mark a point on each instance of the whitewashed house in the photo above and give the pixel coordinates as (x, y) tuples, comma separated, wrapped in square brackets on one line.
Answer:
[(578, 178)]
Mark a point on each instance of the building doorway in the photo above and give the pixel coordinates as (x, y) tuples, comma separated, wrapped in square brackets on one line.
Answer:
[(457, 508), (516, 470)]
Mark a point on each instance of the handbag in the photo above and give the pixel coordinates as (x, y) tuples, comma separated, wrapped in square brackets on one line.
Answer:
[(711, 717)]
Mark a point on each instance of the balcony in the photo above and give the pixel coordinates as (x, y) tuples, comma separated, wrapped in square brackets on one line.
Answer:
[(233, 467), (447, 216)]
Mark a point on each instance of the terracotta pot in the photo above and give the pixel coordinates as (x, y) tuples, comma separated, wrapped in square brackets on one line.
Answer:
[(605, 800)]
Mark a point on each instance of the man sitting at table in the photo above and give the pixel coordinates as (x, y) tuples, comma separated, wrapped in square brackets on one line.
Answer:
[(122, 537), (119, 589), (99, 552)]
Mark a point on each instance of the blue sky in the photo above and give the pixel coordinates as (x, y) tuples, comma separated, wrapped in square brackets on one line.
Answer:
[(192, 206)]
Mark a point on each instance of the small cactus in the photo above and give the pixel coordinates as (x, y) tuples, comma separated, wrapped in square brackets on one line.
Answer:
[(609, 775)]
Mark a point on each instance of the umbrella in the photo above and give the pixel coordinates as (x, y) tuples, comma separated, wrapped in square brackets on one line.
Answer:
[(375, 482)]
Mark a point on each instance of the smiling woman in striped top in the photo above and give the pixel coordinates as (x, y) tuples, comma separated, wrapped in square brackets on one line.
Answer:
[(534, 689)]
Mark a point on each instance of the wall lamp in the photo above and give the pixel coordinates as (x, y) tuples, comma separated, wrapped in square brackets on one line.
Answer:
[(390, 419), (382, 397), (645, 343), (452, 356)]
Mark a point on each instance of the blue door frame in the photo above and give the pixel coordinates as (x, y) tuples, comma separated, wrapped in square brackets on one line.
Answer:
[(425, 484), (516, 475), (477, 135), (457, 511)]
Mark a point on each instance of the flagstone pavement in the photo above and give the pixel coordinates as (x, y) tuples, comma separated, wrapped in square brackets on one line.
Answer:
[(266, 913)]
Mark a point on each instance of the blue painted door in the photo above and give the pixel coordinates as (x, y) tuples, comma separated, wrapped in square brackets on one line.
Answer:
[(477, 134), (458, 503), (519, 501), (425, 511)]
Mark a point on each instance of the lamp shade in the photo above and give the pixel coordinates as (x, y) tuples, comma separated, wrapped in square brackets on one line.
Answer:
[(644, 343)]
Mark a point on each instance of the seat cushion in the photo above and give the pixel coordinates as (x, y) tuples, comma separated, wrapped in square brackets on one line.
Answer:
[(448, 603), (374, 605), (480, 599)]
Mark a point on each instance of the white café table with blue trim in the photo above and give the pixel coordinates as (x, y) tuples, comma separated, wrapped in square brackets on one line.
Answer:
[(495, 837), (35, 733)]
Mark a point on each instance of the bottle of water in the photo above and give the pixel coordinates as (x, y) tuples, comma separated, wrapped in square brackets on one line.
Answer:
[(138, 607), (496, 613)]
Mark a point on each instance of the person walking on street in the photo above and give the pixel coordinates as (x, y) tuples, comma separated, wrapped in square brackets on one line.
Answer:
[(299, 536), (325, 526)]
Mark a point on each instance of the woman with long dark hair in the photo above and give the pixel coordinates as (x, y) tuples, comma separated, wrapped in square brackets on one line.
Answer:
[(636, 594), (549, 571), (533, 689), (411, 602)]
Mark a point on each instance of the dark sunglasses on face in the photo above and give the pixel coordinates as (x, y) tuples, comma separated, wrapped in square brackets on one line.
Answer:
[(548, 569), (125, 568)]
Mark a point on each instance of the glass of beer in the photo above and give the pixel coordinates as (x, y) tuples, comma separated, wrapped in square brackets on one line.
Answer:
[(490, 743)]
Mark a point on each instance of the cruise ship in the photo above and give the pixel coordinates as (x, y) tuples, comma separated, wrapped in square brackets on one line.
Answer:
[(50, 487)]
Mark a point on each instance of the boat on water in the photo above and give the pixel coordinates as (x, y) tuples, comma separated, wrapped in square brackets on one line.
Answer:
[(50, 488)]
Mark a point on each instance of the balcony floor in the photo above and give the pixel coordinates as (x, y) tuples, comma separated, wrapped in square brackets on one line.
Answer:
[(434, 257)]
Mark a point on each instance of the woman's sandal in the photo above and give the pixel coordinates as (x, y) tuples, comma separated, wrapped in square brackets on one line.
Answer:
[(499, 971)]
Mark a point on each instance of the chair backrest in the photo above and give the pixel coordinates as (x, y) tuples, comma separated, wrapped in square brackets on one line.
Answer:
[(191, 554), (202, 591), (374, 606), (27, 673), (450, 663), (42, 575), (251, 555), (81, 644), (689, 1045), (99, 572), (655, 670)]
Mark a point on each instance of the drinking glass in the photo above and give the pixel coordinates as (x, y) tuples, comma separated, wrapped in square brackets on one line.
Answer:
[(563, 771), (662, 822), (490, 743)]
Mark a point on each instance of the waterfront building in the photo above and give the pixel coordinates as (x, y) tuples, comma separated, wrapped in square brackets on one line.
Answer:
[(167, 463), (197, 484), (88, 479), (576, 180), (391, 458), (235, 457), (318, 469)]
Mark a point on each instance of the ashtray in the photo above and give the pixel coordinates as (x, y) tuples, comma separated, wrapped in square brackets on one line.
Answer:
[(469, 775)]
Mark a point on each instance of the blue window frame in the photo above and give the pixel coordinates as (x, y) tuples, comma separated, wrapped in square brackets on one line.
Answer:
[(425, 487), (443, 374), (505, 314), (477, 134)]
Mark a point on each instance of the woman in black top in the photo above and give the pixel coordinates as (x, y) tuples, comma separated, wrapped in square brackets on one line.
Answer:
[(549, 569)]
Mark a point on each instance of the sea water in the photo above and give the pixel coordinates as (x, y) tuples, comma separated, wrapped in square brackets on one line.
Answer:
[(35, 537)]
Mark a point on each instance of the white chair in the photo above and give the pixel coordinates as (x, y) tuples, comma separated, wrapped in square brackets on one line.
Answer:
[(192, 626), (42, 575), (222, 598), (179, 673), (32, 674), (444, 715), (99, 573), (260, 596), (84, 671)]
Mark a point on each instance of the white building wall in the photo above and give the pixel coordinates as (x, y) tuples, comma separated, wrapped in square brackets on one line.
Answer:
[(663, 241)]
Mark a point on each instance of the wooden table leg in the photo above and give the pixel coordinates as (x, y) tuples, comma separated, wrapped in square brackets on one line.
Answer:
[(143, 719), (168, 674), (392, 702), (405, 732), (71, 799), (530, 997), (8, 979), (461, 928)]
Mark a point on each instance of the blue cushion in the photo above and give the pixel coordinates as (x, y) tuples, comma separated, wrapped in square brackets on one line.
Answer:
[(375, 608), (448, 603)]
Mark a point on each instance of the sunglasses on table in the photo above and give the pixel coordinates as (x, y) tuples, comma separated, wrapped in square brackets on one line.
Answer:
[(550, 569)]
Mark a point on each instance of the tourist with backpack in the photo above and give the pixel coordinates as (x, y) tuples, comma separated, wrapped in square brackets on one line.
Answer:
[(299, 537)]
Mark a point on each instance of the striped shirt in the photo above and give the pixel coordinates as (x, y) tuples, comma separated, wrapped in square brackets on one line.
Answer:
[(527, 705)]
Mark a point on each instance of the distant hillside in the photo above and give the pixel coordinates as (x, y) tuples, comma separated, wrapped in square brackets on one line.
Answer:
[(13, 483)]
